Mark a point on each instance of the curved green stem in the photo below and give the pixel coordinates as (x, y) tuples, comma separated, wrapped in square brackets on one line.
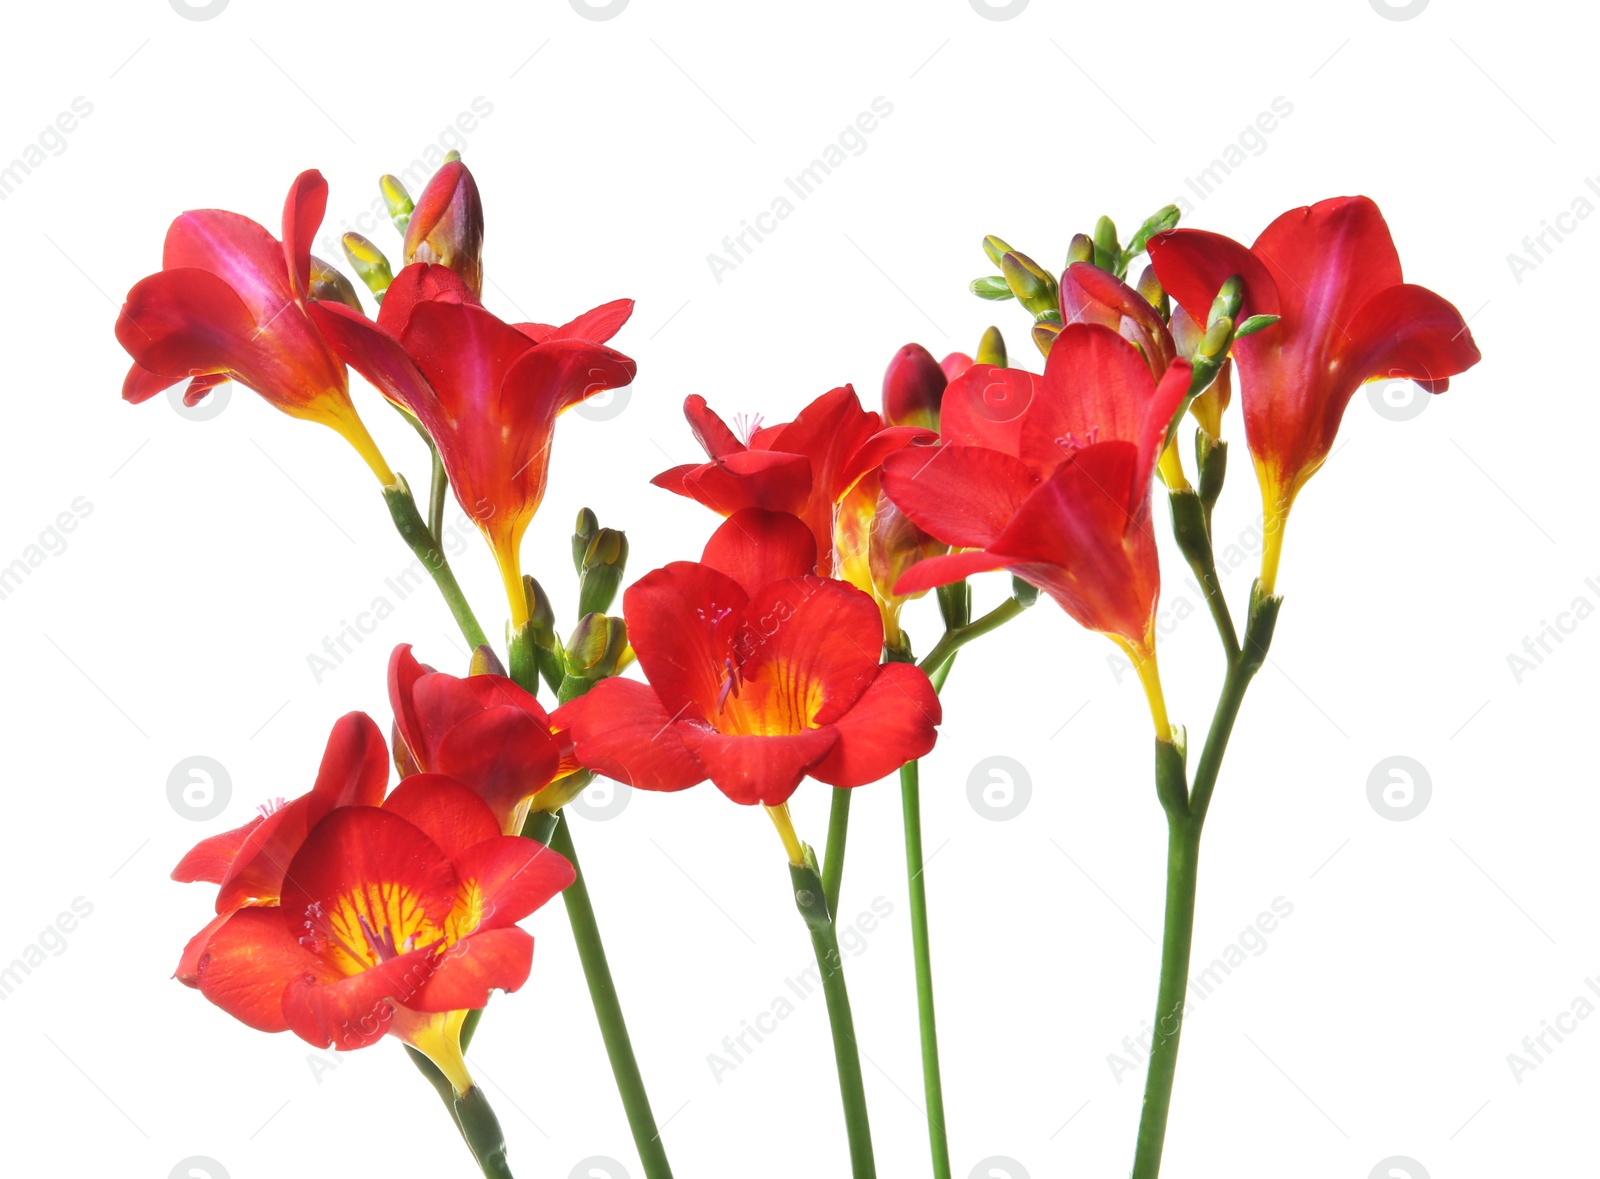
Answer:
[(607, 1008), (953, 640), (932, 1084), (415, 532), (809, 900), (437, 486)]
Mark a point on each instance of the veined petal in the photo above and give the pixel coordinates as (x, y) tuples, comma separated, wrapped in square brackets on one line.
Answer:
[(445, 810), (249, 960), (210, 859), (503, 879), (465, 974), (752, 769), (936, 571), (681, 619)]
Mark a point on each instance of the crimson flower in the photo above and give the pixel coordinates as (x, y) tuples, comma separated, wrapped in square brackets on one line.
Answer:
[(393, 921), (1332, 273), (1049, 476), (759, 675), (248, 863), (447, 225), (482, 730), (487, 393), (804, 467), (232, 302)]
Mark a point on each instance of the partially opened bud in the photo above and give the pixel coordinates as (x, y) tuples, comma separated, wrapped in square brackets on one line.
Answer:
[(329, 286), (397, 200), (596, 649), (369, 263), (447, 225), (913, 386)]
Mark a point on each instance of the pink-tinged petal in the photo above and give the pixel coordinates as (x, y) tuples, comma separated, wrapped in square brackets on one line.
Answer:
[(710, 431), (1327, 260), (141, 384), (373, 353), (248, 961), (179, 323), (201, 386), (744, 479), (421, 282), (188, 972), (751, 770), (805, 650), (1092, 295), (984, 407), (236, 250), (621, 730), (210, 859), (1192, 265), (1158, 412), (894, 722), (465, 974), (936, 571), (506, 877), (404, 672), (444, 810), (963, 495), (597, 325), (561, 373), (754, 546), (680, 621), (302, 214), (1408, 331), (955, 364)]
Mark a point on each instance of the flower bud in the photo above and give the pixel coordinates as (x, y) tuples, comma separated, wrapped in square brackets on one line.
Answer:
[(541, 614), (1034, 287), (995, 248), (329, 286), (1081, 249), (913, 386), (588, 524), (447, 225), (485, 662), (368, 262), (601, 574), (991, 348), (957, 363), (1107, 253), (397, 200), (992, 287), (1044, 336), (1229, 296), (595, 649), (1150, 288)]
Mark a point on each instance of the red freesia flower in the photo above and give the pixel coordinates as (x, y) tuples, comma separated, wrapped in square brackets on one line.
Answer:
[(248, 863), (803, 467), (487, 393), (482, 730), (393, 921), (1332, 273), (447, 225), (232, 302), (1049, 476), (759, 674)]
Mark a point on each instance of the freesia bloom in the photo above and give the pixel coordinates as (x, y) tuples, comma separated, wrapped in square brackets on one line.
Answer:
[(1331, 272), (232, 302), (247, 864), (482, 730), (804, 467), (759, 675), (487, 393), (1049, 476), (393, 921)]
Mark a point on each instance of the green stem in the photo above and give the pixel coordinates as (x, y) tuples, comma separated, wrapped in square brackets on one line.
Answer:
[(1183, 852), (613, 1028), (415, 532), (833, 856), (437, 486), (953, 640), (482, 1131), (847, 1057), (932, 1085)]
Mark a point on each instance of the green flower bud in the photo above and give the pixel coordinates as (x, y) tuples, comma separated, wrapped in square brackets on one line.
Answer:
[(329, 286), (398, 201), (995, 248), (1081, 249), (991, 286), (1034, 287), (369, 263), (595, 649), (991, 349), (600, 572)]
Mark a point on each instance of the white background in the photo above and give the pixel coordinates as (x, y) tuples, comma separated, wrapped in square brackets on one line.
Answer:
[(218, 555)]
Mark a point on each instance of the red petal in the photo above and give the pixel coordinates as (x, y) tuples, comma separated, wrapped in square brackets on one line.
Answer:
[(210, 859), (754, 546), (984, 407), (249, 960), (496, 959), (236, 250), (421, 282), (807, 648), (744, 479), (445, 810), (710, 431), (1192, 265), (182, 322), (894, 722), (373, 353), (621, 730), (503, 754), (1408, 331), (936, 571), (141, 384), (1095, 388), (562, 373), (753, 770), (597, 325), (188, 972), (302, 214), (355, 766), (680, 621), (1092, 295), (357, 848), (354, 1011), (963, 495), (1327, 260), (258, 870), (507, 877)]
